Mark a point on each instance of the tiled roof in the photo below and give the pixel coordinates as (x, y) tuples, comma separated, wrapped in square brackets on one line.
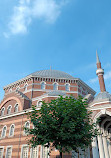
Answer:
[(52, 74), (56, 93), (102, 95)]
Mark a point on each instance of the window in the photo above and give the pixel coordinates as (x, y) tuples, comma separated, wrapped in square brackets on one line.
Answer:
[(25, 87), (11, 132), (10, 90), (16, 108), (39, 104), (9, 109), (25, 152), (1, 152), (42, 85), (27, 125), (8, 152), (17, 88), (2, 111), (44, 152), (34, 153), (4, 132), (67, 87), (55, 86)]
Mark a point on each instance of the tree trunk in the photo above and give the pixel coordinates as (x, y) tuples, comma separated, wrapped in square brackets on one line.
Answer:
[(60, 154)]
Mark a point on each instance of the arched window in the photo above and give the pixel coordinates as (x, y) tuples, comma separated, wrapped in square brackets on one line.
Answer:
[(16, 108), (25, 87), (10, 90), (39, 104), (17, 88), (9, 109), (55, 86), (4, 132), (43, 85), (27, 125), (67, 87), (11, 132), (2, 111)]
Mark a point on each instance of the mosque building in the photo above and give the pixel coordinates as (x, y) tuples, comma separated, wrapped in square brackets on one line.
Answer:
[(47, 85)]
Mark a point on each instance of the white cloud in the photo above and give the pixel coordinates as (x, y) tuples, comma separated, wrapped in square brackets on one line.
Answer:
[(20, 20), (27, 10), (107, 76), (93, 80)]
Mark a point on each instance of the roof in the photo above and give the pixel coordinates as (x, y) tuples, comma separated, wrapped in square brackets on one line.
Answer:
[(55, 74), (56, 93), (102, 95), (52, 74)]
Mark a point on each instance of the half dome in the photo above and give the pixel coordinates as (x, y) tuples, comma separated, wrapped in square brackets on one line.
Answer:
[(52, 74), (102, 95)]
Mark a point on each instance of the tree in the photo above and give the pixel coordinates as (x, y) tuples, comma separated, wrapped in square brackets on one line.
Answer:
[(63, 123)]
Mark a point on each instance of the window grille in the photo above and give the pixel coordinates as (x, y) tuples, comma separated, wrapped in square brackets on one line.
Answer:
[(34, 152), (1, 152), (11, 130), (25, 87), (4, 132), (42, 85), (25, 152), (2, 111), (67, 87), (16, 108), (9, 151), (27, 125), (55, 86), (9, 110)]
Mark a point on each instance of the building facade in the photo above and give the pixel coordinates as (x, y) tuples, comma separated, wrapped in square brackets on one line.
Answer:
[(47, 85), (101, 108)]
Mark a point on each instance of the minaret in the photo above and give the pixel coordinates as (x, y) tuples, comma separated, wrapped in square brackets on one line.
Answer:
[(100, 73)]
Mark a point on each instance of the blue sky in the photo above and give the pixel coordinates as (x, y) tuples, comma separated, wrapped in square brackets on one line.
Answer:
[(64, 34)]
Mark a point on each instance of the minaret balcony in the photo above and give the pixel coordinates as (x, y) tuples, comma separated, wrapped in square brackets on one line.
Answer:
[(99, 71)]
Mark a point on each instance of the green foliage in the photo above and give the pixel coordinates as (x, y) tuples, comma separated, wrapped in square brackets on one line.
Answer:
[(64, 123)]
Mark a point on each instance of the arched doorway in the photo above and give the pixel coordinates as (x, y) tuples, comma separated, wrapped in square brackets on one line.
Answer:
[(101, 145)]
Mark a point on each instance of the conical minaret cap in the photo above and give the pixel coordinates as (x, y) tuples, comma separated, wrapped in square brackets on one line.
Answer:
[(100, 73), (97, 58)]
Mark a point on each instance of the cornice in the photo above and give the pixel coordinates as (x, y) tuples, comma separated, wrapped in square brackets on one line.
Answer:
[(17, 82), (100, 107), (99, 102), (17, 114), (75, 80)]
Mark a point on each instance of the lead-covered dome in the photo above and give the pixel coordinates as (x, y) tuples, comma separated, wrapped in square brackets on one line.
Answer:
[(102, 95), (52, 74)]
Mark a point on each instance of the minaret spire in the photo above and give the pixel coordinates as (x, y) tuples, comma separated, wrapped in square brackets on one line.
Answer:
[(97, 57), (100, 73)]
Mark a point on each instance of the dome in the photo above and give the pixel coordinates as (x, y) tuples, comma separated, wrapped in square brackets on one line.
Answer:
[(102, 95), (52, 74)]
